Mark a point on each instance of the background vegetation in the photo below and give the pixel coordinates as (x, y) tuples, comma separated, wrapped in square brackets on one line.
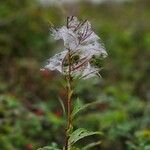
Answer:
[(30, 112)]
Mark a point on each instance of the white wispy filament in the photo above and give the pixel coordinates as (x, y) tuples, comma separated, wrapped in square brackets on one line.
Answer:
[(81, 43)]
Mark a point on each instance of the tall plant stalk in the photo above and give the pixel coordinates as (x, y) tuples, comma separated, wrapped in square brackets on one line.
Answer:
[(69, 102), (77, 61)]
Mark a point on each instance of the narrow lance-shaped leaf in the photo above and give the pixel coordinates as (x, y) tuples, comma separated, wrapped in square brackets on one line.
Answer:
[(75, 148), (80, 134), (62, 105), (78, 107), (53, 146), (91, 145)]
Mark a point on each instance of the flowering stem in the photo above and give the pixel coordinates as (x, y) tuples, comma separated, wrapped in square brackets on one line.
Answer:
[(69, 104)]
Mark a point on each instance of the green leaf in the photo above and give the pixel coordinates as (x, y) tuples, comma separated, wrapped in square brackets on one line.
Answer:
[(78, 107), (45, 148), (52, 147), (75, 148), (89, 146), (80, 134), (62, 105)]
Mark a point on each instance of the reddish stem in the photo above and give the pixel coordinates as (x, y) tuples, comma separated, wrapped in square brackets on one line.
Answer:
[(69, 105)]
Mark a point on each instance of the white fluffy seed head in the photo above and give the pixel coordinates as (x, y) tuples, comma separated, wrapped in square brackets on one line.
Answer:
[(79, 40)]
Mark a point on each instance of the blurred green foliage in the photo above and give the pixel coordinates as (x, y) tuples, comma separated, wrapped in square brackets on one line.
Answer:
[(30, 113)]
